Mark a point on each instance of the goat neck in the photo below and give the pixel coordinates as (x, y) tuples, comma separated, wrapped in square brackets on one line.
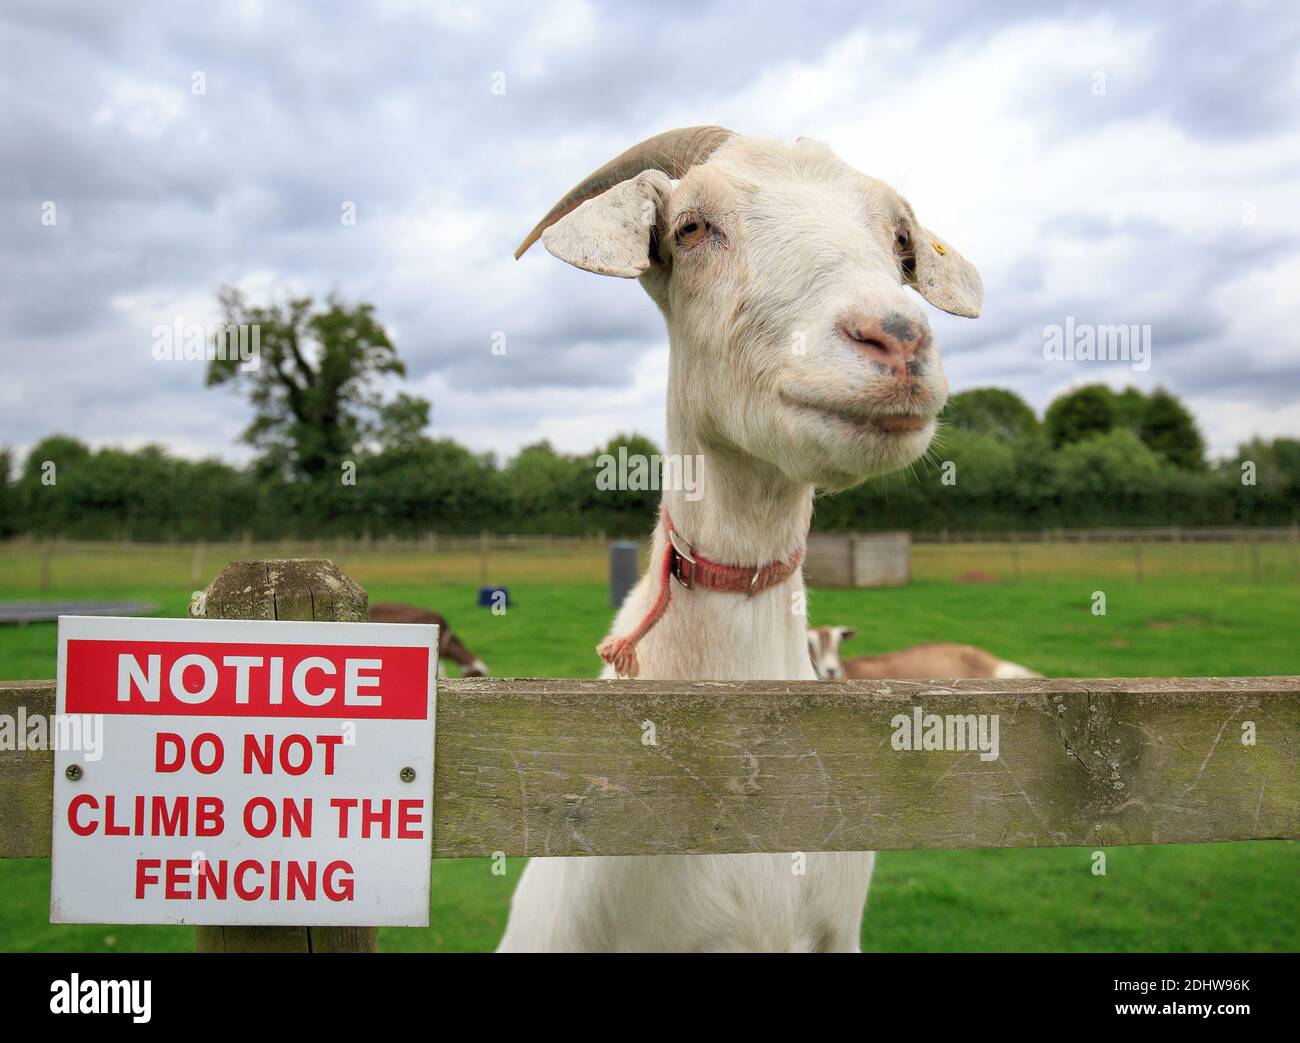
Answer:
[(742, 511)]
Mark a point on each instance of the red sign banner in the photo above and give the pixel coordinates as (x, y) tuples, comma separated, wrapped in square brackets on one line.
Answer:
[(222, 679)]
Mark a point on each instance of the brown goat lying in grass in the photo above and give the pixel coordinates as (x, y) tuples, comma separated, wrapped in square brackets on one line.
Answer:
[(918, 662)]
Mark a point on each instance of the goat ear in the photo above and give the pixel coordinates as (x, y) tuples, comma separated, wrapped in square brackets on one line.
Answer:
[(846, 633), (945, 278), (610, 233)]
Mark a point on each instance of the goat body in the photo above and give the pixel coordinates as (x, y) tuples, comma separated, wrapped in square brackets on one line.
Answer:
[(695, 903), (919, 662), (934, 660)]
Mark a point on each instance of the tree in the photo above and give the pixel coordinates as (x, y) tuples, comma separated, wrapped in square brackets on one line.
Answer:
[(313, 387), (1167, 427), (1263, 479), (994, 411), (1110, 478), (629, 507), (402, 421), (1113, 465), (1081, 413), (543, 482), (146, 494), (432, 485), (1130, 408), (48, 486)]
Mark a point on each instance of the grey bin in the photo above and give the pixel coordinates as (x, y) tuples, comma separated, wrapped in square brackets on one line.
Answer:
[(623, 570)]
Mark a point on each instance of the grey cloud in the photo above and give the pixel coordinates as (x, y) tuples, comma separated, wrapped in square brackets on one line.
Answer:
[(1173, 278), (308, 107), (1218, 70)]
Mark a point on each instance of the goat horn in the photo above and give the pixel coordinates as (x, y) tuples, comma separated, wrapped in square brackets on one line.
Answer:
[(674, 152)]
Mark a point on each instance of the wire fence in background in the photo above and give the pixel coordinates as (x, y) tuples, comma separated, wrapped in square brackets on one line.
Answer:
[(75, 567)]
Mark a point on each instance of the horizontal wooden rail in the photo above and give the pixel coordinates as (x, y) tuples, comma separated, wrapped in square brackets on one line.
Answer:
[(558, 767)]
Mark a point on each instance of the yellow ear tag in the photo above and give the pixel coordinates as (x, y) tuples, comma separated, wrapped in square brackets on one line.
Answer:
[(939, 248)]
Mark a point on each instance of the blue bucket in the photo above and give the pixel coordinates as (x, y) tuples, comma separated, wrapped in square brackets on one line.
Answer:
[(489, 596)]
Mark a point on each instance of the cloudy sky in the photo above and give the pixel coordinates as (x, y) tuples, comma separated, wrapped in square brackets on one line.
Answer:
[(1114, 163)]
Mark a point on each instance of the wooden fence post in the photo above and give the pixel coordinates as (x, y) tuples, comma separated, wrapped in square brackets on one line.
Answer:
[(294, 589)]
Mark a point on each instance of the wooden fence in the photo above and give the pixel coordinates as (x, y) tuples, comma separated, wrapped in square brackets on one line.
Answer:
[(57, 564), (858, 559), (170, 563), (1140, 534), (588, 767)]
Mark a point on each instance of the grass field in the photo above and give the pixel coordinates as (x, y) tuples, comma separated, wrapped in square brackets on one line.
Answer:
[(1215, 621)]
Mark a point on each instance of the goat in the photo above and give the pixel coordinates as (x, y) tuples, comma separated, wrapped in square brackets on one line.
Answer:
[(798, 359), (923, 662), (449, 645)]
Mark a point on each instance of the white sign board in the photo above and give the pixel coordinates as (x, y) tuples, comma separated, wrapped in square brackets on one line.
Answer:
[(244, 772)]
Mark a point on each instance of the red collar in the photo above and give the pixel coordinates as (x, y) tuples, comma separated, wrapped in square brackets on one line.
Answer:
[(690, 569)]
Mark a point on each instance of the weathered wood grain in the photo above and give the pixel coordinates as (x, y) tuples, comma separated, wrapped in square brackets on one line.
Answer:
[(26, 776), (559, 767)]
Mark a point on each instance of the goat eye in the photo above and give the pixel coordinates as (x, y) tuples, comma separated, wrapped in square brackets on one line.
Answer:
[(906, 258)]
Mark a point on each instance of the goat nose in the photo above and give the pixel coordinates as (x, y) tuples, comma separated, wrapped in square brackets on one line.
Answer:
[(893, 338)]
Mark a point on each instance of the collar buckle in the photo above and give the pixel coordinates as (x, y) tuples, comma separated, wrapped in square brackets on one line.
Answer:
[(681, 560)]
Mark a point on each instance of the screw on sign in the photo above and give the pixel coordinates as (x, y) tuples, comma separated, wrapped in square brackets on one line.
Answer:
[(253, 773)]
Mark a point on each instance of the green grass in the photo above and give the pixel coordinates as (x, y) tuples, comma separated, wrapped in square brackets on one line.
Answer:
[(1217, 897)]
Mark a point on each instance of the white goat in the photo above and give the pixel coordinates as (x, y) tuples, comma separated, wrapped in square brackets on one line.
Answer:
[(940, 659), (798, 360)]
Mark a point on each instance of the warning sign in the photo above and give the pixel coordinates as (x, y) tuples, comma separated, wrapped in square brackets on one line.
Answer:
[(248, 772)]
